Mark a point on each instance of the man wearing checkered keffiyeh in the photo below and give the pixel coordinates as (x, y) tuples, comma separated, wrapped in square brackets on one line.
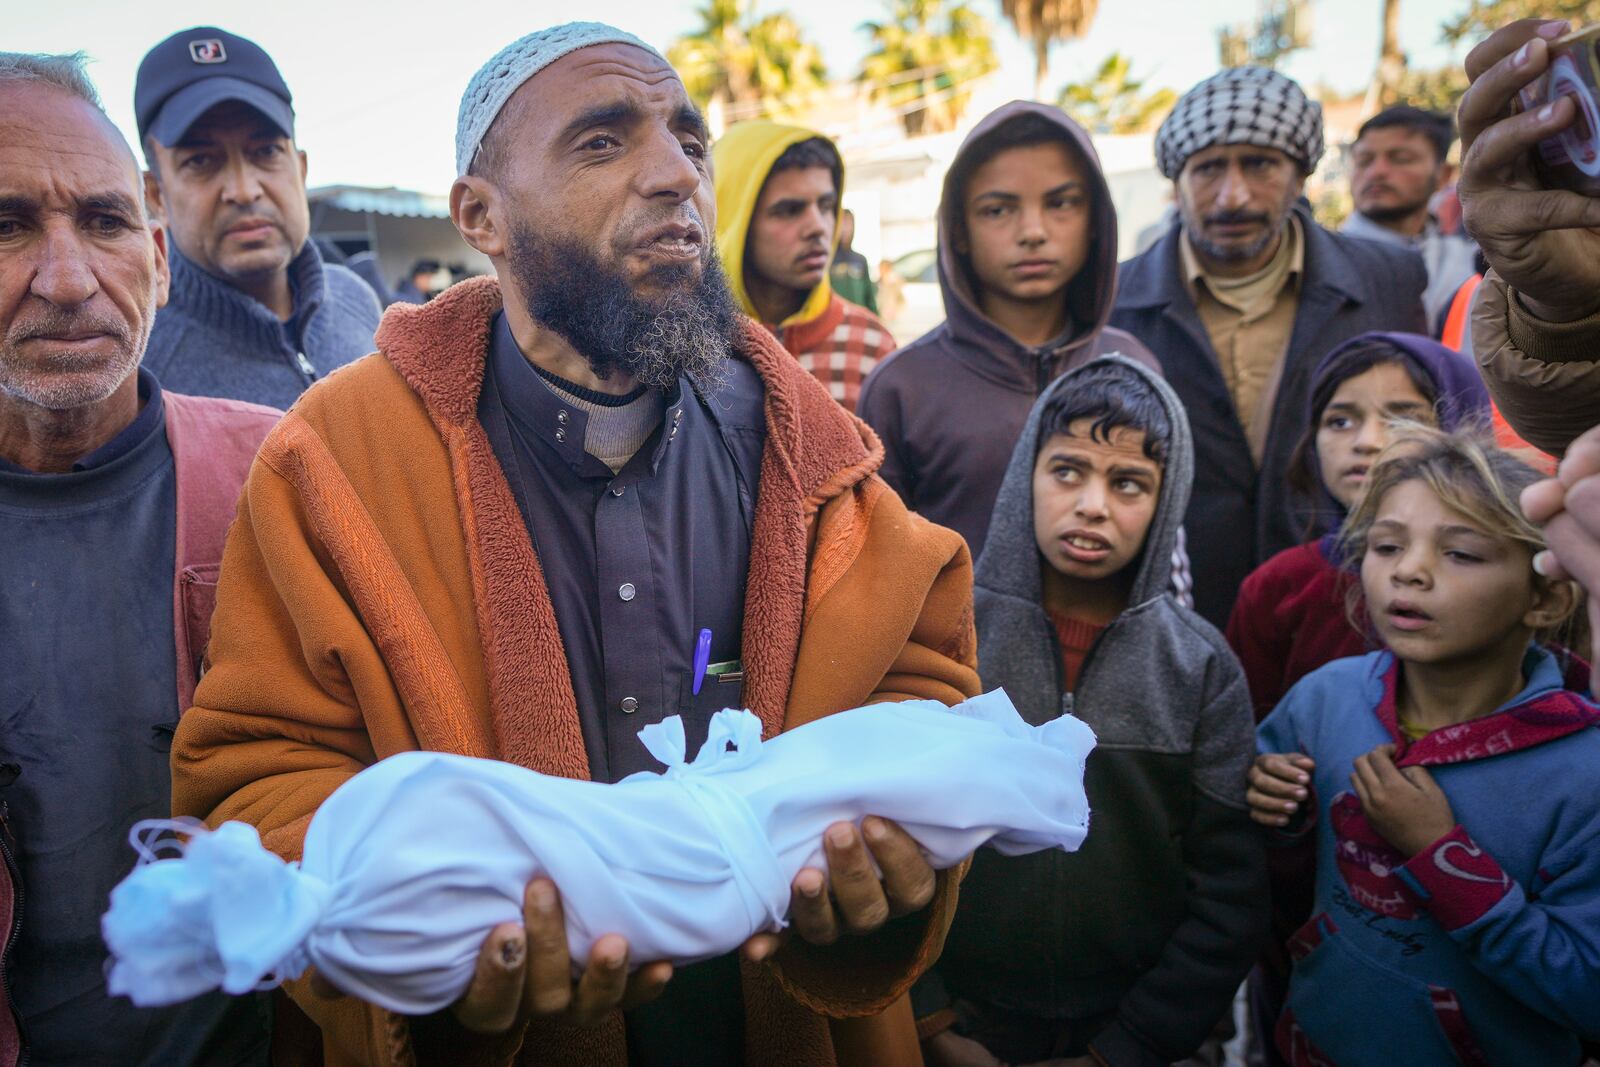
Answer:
[(1240, 301), (1243, 105)]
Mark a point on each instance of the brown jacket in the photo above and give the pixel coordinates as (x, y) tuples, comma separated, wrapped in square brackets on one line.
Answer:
[(380, 593), (1544, 376)]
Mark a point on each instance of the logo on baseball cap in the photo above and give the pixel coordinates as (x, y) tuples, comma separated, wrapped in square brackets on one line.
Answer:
[(194, 70), (209, 50)]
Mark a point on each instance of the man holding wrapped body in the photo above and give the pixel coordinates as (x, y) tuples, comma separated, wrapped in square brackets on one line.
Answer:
[(503, 534)]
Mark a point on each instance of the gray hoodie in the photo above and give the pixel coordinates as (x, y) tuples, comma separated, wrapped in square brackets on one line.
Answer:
[(1145, 933)]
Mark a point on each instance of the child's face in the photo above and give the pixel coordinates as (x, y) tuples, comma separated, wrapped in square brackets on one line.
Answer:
[(1028, 217), (1440, 589), (1093, 501), (1355, 426)]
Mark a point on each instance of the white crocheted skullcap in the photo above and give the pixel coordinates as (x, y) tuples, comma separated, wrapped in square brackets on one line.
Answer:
[(1242, 105), (514, 64)]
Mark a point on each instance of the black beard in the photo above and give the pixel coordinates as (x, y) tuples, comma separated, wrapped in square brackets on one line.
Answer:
[(690, 332), (1395, 214)]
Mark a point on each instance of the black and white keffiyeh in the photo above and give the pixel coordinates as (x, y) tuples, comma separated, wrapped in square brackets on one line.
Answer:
[(1242, 105)]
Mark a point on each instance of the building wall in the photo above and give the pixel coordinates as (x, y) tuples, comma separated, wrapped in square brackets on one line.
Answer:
[(401, 241), (906, 180)]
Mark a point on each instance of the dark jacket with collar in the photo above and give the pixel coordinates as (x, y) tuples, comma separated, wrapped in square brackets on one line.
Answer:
[(1240, 516), (1142, 936), (949, 406), (213, 340)]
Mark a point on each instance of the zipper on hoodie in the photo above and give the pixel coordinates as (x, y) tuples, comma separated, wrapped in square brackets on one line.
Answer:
[(1068, 696), (1041, 365), (1044, 366), (305, 366), (14, 869), (1067, 700)]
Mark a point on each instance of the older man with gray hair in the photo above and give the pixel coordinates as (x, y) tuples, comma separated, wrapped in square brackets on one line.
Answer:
[(1240, 301), (553, 504), (114, 500)]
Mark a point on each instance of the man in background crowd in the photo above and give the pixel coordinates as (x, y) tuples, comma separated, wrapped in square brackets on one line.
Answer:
[(778, 190), (1399, 162), (256, 313), (1241, 300), (850, 276), (418, 285), (115, 496)]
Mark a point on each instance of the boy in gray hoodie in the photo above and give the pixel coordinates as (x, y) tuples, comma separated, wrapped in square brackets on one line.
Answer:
[(1129, 951)]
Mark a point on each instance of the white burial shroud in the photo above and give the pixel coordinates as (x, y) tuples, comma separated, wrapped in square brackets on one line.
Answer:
[(409, 864)]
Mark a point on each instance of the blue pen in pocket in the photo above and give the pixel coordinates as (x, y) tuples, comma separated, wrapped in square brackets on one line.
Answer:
[(702, 659)]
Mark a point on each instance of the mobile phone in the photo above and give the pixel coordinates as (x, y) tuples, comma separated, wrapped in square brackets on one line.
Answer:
[(1571, 159)]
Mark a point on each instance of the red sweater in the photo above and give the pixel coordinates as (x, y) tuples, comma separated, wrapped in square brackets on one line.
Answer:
[(1290, 619), (1074, 637)]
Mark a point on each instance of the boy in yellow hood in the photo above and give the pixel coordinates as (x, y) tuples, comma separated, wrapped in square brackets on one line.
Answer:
[(778, 190)]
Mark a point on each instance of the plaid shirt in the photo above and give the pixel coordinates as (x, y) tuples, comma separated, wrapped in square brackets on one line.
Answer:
[(839, 347)]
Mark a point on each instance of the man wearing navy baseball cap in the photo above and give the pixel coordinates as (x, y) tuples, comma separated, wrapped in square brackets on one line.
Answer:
[(256, 313)]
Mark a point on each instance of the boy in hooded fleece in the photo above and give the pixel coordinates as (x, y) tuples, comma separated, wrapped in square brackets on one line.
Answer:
[(1127, 952), (1028, 269)]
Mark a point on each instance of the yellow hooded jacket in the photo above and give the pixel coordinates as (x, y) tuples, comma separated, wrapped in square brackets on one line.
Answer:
[(741, 160)]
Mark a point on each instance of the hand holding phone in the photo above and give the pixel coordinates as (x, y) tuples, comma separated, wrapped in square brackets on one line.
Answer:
[(1571, 158), (1542, 239)]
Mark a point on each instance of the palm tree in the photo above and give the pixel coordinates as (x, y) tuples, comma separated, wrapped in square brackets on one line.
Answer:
[(756, 64), (1483, 17), (1391, 61), (924, 57), (1439, 89), (1044, 22), (1114, 101)]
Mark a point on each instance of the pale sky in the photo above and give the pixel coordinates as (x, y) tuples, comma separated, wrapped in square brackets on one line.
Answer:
[(376, 85)]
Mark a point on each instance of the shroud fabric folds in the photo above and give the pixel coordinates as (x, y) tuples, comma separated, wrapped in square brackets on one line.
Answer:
[(409, 864)]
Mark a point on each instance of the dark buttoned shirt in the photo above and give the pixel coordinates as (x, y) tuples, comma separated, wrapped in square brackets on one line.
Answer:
[(639, 561)]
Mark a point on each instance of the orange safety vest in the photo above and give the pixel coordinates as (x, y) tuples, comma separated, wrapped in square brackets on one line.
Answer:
[(1455, 328)]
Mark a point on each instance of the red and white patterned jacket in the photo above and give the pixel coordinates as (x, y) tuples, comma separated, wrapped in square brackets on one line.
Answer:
[(839, 347)]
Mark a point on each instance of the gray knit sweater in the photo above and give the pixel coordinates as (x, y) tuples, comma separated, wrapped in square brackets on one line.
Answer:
[(213, 340)]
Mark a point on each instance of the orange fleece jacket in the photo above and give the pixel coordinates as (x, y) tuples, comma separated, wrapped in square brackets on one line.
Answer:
[(379, 593)]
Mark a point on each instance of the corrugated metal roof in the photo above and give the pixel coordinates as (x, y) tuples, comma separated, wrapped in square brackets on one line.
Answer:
[(402, 203)]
